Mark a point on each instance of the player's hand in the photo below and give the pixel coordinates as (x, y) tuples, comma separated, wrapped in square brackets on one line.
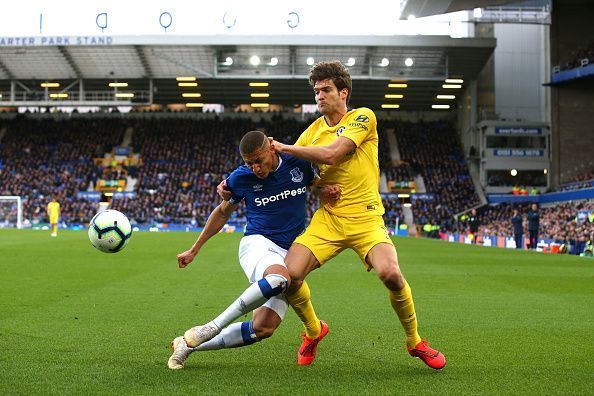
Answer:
[(277, 146), (330, 194), (184, 259), (224, 191)]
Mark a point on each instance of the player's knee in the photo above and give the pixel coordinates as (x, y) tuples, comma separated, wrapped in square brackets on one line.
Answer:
[(391, 276), (279, 270), (296, 274), (272, 285)]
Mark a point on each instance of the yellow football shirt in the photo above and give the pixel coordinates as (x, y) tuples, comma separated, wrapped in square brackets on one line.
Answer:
[(53, 209), (357, 173)]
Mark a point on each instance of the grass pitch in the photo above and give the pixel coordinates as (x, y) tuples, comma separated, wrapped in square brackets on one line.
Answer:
[(74, 320)]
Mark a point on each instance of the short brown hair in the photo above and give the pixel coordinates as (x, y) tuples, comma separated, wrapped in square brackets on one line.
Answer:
[(335, 71), (252, 141)]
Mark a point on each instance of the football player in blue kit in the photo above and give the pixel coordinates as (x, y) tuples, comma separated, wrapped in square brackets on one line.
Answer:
[(274, 188)]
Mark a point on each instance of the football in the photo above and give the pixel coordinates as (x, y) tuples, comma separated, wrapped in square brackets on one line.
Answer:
[(109, 231)]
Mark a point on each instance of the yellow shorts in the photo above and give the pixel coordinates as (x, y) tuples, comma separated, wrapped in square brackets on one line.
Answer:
[(53, 220), (328, 235)]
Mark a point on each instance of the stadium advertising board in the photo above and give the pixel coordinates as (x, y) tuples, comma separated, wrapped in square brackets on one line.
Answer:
[(518, 153), (423, 197), (517, 131)]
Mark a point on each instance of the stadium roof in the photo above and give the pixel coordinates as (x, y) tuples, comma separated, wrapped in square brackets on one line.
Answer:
[(223, 69), (423, 8)]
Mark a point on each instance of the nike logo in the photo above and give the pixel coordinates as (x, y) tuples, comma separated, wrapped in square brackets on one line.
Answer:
[(314, 141)]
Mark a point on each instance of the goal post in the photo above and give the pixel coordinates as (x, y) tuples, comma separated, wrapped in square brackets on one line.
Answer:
[(11, 211)]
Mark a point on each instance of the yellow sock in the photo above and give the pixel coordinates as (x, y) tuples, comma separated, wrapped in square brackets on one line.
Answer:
[(402, 302), (301, 303)]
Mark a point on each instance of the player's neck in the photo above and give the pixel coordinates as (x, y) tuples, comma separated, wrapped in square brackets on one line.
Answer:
[(275, 162), (334, 118)]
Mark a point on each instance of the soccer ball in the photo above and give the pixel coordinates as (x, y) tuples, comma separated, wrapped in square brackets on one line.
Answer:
[(110, 231)]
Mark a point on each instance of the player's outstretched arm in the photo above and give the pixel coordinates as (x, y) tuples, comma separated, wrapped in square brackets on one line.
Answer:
[(328, 155), (215, 222)]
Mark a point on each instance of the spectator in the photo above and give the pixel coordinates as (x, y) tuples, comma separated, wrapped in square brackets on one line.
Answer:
[(518, 223), (533, 225)]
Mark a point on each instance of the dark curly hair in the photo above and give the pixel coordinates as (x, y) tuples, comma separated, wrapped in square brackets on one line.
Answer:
[(335, 71)]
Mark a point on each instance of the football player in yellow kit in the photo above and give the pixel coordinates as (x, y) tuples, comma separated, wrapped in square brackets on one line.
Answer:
[(53, 210), (344, 144)]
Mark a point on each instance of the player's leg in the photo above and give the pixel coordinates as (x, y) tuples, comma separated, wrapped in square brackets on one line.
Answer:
[(54, 227), (263, 264), (266, 320), (320, 242), (272, 284), (383, 258), (256, 255), (300, 262)]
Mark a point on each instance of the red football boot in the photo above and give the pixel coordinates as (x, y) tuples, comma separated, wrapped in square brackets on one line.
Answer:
[(307, 351), (432, 358)]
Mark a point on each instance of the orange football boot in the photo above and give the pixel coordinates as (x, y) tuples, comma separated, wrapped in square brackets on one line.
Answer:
[(432, 358), (307, 351)]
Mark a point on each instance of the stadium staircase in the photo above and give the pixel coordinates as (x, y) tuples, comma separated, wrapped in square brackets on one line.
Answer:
[(127, 137), (394, 151), (126, 141), (473, 169), (130, 184), (420, 182), (409, 218), (383, 185)]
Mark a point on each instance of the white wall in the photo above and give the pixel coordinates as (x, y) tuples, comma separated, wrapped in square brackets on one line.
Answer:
[(521, 67)]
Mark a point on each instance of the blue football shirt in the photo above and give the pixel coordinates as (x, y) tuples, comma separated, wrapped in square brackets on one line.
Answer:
[(275, 205)]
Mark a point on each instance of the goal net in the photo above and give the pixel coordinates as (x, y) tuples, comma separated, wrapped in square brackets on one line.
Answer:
[(11, 212)]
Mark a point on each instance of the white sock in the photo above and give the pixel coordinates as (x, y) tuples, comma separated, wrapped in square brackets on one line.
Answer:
[(233, 336), (253, 297)]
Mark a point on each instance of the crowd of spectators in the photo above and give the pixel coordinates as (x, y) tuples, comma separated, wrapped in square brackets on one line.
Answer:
[(393, 213), (577, 57), (583, 180), (433, 150), (44, 158), (570, 223), (183, 160)]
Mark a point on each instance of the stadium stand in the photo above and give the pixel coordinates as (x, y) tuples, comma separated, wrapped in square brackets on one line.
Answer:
[(583, 180), (570, 223), (581, 57), (45, 158), (433, 150), (183, 160)]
